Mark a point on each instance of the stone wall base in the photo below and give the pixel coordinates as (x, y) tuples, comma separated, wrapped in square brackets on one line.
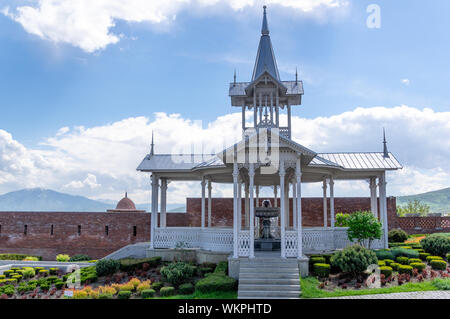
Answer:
[(190, 254)]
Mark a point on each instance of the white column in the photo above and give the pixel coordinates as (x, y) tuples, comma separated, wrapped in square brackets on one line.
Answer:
[(282, 174), (154, 217), (383, 207), (286, 203), (275, 198), (257, 196), (239, 205), (209, 202), (203, 183), (298, 177), (332, 200), (373, 196), (243, 118), (289, 118), (235, 217), (251, 175), (247, 206), (325, 210), (163, 215), (294, 204)]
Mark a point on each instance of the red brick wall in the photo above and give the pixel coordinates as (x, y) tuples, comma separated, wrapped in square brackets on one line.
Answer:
[(419, 225)]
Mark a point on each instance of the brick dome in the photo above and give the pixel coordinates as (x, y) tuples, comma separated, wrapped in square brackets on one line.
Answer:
[(125, 204)]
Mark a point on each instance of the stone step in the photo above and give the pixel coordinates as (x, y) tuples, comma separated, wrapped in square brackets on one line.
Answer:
[(263, 270), (257, 287), (269, 275), (262, 294), (269, 265), (268, 281)]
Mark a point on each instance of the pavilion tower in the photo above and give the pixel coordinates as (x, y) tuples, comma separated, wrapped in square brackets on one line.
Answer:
[(266, 95)]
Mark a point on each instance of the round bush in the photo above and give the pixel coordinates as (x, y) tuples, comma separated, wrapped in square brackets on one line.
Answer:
[(405, 269), (177, 273), (186, 289), (124, 294), (397, 236), (383, 254), (105, 296), (436, 244), (45, 287), (167, 291), (157, 285), (410, 253), (403, 260), (386, 271), (80, 257), (62, 258), (147, 293), (354, 259), (106, 267), (423, 256), (381, 263), (43, 272), (317, 260), (414, 260), (59, 284), (322, 270), (431, 258), (418, 265), (438, 265), (388, 262)]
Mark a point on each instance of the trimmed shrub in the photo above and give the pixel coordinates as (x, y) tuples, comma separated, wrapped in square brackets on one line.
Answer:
[(16, 257), (414, 260), (423, 256), (397, 236), (80, 257), (341, 220), (177, 273), (186, 289), (105, 296), (381, 263), (167, 291), (8, 273), (2, 276), (147, 293), (216, 282), (316, 260), (106, 267), (63, 258), (395, 266), (11, 281), (221, 268), (405, 269), (322, 270), (386, 271), (53, 271), (124, 294), (204, 270), (52, 279), (388, 262), (431, 258), (436, 244), (59, 284), (45, 287), (438, 264), (7, 290), (354, 259), (43, 272), (418, 265), (17, 277), (157, 285), (383, 254), (403, 260), (131, 264)]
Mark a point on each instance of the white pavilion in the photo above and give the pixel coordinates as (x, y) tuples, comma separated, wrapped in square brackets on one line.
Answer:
[(265, 157)]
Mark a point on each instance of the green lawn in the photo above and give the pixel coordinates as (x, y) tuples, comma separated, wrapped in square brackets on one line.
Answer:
[(310, 290), (199, 295)]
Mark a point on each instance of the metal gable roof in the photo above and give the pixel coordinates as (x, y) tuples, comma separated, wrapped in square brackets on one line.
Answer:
[(357, 161), (172, 162)]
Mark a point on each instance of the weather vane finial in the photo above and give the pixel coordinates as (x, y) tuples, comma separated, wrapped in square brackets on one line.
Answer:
[(385, 150)]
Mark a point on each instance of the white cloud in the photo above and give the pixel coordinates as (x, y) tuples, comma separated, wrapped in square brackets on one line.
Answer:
[(406, 82), (100, 162), (88, 24)]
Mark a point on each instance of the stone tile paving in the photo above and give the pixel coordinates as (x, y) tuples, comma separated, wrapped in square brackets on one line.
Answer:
[(403, 295)]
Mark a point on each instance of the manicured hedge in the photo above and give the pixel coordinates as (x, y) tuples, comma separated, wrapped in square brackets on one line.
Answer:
[(106, 267), (386, 271), (405, 269), (418, 266), (147, 293), (131, 264), (322, 270), (403, 260), (124, 294), (388, 262), (414, 260), (431, 258), (381, 263), (157, 285), (221, 268), (423, 256), (216, 282), (438, 264), (186, 289), (397, 236), (167, 291), (16, 257)]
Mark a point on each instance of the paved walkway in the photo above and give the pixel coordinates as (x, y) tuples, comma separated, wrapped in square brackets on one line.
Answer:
[(404, 295)]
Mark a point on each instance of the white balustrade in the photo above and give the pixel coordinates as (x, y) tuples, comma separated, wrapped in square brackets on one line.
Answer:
[(315, 240)]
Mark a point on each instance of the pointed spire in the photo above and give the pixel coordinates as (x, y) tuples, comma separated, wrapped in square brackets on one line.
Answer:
[(126, 194), (234, 82), (152, 147), (385, 150), (265, 26), (296, 76)]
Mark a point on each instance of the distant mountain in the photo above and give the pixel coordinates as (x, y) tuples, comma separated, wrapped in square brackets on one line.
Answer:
[(38, 199), (439, 201)]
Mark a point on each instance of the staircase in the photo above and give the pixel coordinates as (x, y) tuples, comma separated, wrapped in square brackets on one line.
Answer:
[(269, 278)]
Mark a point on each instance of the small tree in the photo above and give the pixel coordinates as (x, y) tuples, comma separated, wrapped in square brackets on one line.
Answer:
[(363, 227), (413, 207)]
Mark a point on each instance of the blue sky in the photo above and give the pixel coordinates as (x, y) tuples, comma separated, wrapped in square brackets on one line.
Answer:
[(183, 65)]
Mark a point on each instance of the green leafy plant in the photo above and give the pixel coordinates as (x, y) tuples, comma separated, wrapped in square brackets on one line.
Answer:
[(148, 293), (386, 271), (177, 273), (106, 267), (436, 244), (341, 220), (403, 260), (124, 294), (322, 270), (441, 283), (167, 291), (438, 264), (63, 258), (186, 289), (418, 265), (423, 256), (157, 285), (405, 269), (354, 259), (397, 236), (216, 282), (80, 257), (415, 207), (363, 227)]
